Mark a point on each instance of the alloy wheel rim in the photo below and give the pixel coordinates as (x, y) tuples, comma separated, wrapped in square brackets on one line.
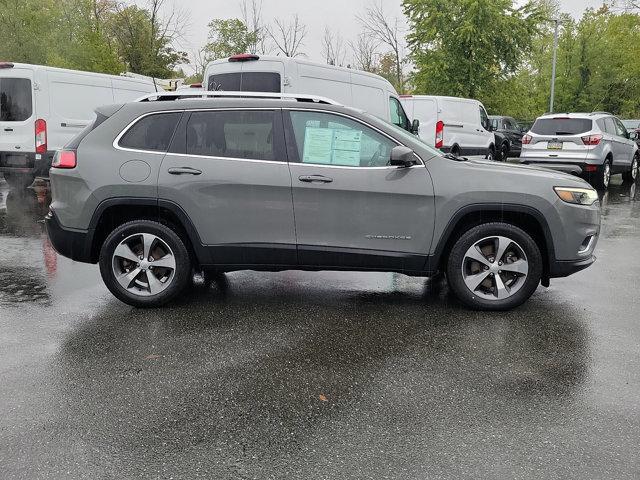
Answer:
[(495, 268), (634, 168), (606, 176), (143, 264)]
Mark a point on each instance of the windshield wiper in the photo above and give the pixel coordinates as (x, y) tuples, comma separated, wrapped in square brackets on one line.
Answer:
[(451, 156)]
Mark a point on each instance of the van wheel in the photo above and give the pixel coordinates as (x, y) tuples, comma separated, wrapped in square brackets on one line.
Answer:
[(145, 263), (491, 154), (455, 151), (494, 266), (631, 175), (19, 181)]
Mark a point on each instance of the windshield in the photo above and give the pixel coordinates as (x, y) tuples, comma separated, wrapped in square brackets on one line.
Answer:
[(404, 135)]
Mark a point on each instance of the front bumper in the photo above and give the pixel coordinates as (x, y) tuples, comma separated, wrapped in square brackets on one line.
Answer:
[(73, 244), (564, 268)]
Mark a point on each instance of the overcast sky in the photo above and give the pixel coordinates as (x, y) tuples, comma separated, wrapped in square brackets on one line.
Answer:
[(339, 15)]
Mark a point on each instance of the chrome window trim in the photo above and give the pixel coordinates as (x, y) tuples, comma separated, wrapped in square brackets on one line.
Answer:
[(116, 141)]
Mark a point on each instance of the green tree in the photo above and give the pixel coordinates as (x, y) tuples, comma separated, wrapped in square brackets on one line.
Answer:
[(461, 47), (228, 37), (24, 29)]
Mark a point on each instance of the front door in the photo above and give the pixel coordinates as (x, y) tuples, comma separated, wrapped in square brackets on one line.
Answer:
[(352, 210), (227, 169)]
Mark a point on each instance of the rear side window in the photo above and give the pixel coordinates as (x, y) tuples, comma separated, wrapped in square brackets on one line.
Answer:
[(152, 132), (250, 134), (245, 82), (16, 104), (561, 126)]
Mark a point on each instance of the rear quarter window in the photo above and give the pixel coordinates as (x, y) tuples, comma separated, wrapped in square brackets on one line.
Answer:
[(561, 126), (16, 104), (152, 133)]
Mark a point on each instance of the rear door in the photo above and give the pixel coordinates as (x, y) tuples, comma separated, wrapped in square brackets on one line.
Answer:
[(512, 130), (228, 171), (625, 145), (17, 112), (559, 137), (351, 208)]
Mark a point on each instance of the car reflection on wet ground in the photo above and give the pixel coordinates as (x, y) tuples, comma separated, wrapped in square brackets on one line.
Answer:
[(316, 375)]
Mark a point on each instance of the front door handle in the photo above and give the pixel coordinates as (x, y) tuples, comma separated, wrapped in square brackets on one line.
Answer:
[(315, 178), (184, 171)]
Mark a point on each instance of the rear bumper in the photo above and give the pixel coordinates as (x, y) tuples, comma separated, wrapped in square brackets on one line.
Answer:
[(563, 268), (573, 168), (73, 244), (26, 163)]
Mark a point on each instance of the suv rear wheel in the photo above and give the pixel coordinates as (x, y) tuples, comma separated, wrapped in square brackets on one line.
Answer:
[(632, 174), (494, 266), (145, 263), (601, 178)]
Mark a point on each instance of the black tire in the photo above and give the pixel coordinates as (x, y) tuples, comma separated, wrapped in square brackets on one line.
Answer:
[(455, 150), (183, 268), (631, 175), (454, 266), (504, 152), (491, 153), (599, 178), (19, 181)]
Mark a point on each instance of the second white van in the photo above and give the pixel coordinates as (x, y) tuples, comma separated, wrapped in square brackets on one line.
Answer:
[(353, 88), (457, 125), (42, 108)]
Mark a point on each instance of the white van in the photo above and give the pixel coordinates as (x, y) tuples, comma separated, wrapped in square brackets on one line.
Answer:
[(451, 124), (42, 108), (354, 88)]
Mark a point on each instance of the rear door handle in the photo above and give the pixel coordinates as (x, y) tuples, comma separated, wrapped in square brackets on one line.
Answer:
[(315, 178), (184, 171)]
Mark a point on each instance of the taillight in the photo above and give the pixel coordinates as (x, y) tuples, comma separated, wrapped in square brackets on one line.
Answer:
[(64, 159), (41, 136), (592, 139), (439, 134), (526, 139)]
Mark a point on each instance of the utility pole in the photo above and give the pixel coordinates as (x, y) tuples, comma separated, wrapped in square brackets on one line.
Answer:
[(553, 64)]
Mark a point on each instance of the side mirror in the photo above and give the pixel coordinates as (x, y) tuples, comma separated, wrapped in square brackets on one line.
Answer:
[(633, 135), (415, 126), (401, 156)]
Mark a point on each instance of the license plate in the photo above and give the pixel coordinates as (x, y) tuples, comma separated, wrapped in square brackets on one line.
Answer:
[(554, 145)]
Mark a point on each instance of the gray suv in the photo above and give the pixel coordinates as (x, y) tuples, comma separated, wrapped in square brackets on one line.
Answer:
[(158, 189), (593, 145)]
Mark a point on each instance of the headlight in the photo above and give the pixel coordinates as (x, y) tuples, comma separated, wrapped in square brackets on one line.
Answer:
[(579, 196)]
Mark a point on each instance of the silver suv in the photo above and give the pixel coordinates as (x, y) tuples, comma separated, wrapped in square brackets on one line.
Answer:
[(157, 189), (593, 145)]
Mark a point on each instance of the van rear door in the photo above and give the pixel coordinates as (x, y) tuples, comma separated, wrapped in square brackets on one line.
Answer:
[(246, 76), (17, 114)]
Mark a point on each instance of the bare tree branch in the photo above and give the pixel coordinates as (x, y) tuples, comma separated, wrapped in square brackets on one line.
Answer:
[(333, 48), (364, 51), (288, 37), (252, 18), (386, 30)]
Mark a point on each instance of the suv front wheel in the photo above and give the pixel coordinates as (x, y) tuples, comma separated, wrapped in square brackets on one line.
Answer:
[(145, 263), (494, 266)]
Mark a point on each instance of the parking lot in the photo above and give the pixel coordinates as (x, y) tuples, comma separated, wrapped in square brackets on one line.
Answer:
[(316, 375)]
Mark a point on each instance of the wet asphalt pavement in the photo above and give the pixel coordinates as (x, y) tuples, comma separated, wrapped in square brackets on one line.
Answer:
[(316, 375)]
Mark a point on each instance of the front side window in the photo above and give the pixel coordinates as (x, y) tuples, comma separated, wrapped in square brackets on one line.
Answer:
[(327, 139), (16, 104), (484, 118), (152, 133), (245, 82), (398, 116), (243, 134), (620, 130)]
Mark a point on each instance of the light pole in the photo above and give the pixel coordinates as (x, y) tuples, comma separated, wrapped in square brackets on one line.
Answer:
[(553, 64)]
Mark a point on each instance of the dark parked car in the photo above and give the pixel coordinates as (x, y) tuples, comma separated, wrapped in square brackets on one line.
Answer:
[(633, 126), (509, 134)]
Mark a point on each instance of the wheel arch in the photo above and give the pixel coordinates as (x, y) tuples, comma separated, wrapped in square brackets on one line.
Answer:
[(527, 218), (114, 212)]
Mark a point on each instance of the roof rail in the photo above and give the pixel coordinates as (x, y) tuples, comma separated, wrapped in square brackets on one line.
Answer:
[(601, 113), (177, 95)]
